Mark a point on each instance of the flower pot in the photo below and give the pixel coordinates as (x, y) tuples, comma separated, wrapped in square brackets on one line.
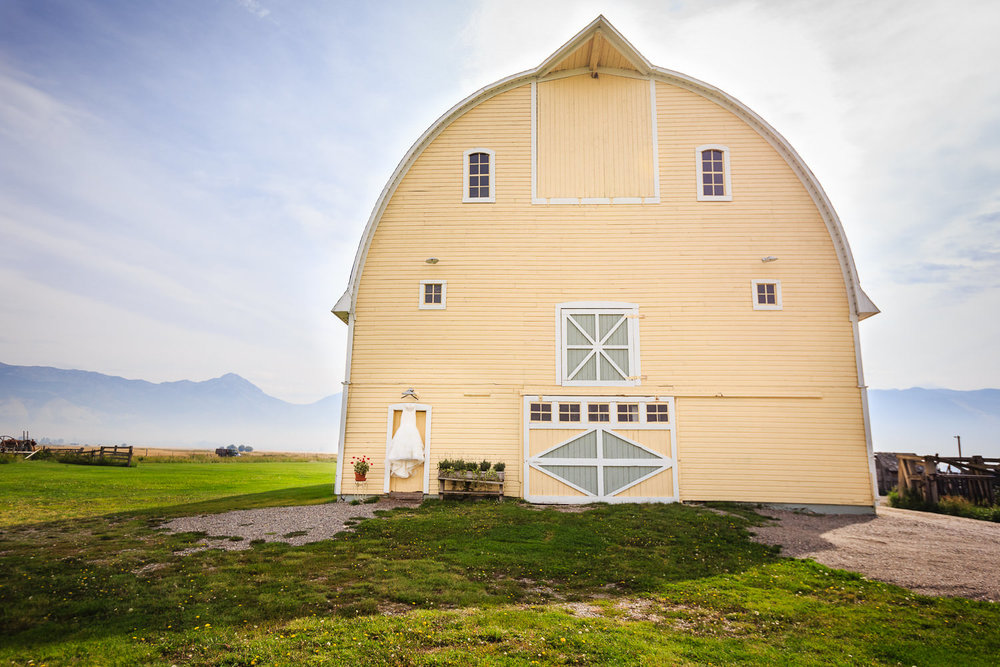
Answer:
[(360, 476)]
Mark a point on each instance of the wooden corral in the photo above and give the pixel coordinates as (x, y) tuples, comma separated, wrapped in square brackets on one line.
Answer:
[(887, 471), (116, 455), (976, 481)]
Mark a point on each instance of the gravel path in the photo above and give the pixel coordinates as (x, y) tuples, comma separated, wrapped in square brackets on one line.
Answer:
[(294, 525), (934, 554)]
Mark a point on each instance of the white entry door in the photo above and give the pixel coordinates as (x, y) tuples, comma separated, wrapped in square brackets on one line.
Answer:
[(584, 449)]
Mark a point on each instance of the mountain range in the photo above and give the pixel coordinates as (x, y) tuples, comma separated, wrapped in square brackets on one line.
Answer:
[(88, 407)]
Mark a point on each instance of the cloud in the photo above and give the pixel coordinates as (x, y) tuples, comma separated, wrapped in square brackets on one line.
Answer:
[(254, 8)]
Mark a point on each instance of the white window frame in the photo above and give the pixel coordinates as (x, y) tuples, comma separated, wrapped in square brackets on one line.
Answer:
[(777, 294), (465, 177), (631, 313), (726, 173), (433, 306)]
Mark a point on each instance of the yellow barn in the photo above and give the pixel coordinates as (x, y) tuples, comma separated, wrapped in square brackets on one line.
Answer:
[(617, 280)]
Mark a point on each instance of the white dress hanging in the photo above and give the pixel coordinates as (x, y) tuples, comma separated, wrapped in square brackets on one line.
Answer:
[(406, 451)]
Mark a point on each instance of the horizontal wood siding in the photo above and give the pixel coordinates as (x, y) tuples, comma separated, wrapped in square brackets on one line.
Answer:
[(773, 450), (473, 428), (595, 137), (687, 264)]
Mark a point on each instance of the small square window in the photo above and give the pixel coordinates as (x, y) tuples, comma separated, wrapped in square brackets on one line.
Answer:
[(541, 412), (628, 412), (433, 294), (569, 412), (657, 412), (766, 294), (599, 412)]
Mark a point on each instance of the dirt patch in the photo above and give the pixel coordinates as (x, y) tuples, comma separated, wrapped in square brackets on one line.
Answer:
[(239, 529), (582, 609), (934, 554), (566, 509)]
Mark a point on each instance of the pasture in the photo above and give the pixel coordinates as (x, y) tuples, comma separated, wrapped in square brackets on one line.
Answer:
[(89, 580)]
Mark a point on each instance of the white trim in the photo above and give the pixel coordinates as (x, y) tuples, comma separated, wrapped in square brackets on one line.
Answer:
[(427, 443), (342, 442), (444, 295), (526, 440), (586, 500), (863, 388), (656, 141), (564, 310), (534, 142), (466, 199), (727, 184), (777, 294)]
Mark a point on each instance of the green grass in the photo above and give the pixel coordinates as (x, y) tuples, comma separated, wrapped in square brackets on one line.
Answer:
[(33, 491), (453, 583)]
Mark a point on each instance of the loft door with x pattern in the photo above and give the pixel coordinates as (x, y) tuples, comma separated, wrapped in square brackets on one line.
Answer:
[(597, 346)]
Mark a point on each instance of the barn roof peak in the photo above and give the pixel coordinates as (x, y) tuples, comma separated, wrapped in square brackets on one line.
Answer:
[(598, 47)]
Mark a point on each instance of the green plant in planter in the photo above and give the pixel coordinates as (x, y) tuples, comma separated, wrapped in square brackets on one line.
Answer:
[(484, 466), (500, 467), (472, 466)]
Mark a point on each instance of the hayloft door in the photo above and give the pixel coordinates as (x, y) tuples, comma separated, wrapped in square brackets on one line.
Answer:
[(585, 449)]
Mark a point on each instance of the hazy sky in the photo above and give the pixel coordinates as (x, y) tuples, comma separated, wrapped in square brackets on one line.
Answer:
[(183, 183)]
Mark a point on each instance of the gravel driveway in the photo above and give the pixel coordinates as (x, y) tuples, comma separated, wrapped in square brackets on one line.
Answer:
[(934, 554), (294, 525)]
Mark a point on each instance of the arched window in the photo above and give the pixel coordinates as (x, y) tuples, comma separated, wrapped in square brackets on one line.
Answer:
[(713, 173), (480, 180)]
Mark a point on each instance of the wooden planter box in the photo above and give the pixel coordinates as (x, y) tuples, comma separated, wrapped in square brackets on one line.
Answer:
[(469, 484)]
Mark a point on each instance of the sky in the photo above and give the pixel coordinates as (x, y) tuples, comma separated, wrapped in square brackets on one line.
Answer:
[(184, 183)]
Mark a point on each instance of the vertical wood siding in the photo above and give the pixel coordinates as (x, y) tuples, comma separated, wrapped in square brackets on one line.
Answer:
[(788, 425), (595, 137)]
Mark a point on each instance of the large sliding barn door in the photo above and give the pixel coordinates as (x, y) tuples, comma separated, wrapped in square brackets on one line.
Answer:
[(583, 449)]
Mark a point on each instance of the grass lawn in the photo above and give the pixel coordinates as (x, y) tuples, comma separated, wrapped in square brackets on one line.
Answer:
[(34, 491), (448, 583)]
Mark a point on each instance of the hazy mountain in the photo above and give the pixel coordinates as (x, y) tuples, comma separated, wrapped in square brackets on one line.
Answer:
[(82, 406), (925, 421)]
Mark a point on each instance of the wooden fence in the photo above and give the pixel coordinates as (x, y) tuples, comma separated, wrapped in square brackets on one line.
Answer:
[(978, 478), (116, 455)]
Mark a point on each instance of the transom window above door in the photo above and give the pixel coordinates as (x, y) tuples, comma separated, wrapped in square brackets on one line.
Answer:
[(598, 345)]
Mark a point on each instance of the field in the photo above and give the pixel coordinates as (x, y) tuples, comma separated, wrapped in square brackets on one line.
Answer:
[(91, 581)]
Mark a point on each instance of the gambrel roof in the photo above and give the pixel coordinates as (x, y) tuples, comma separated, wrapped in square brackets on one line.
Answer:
[(600, 48)]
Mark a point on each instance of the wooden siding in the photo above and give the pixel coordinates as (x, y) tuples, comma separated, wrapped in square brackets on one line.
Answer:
[(606, 56), (594, 138), (776, 390), (774, 450)]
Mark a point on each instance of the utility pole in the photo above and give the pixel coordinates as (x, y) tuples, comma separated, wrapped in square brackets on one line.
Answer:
[(959, 438)]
